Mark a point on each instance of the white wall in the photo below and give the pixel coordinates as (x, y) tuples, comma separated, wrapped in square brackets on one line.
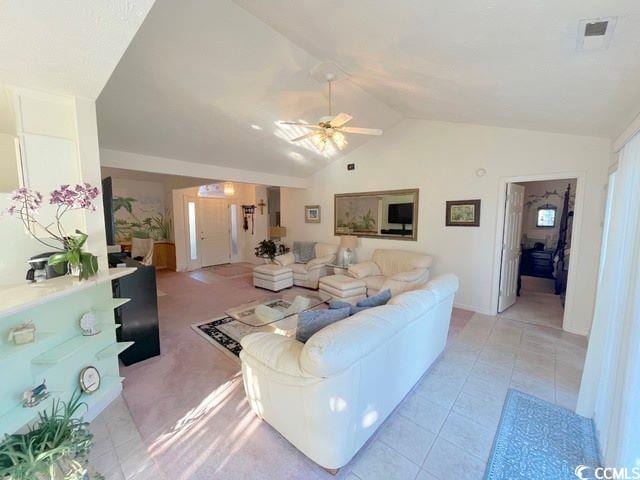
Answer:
[(9, 178), (441, 160), (59, 142)]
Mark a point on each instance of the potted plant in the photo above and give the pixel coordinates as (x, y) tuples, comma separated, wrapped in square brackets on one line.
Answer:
[(25, 204), (266, 249), (56, 447)]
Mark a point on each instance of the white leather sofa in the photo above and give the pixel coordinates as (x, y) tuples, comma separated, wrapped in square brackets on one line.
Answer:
[(396, 270), (329, 395), (308, 274)]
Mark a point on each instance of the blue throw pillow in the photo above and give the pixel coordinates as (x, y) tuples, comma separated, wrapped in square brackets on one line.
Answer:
[(380, 299), (353, 309), (312, 321)]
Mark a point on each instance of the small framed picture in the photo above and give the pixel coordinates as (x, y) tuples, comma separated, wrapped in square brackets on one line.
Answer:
[(312, 213), (463, 213)]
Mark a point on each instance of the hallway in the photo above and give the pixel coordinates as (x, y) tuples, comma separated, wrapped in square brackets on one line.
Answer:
[(537, 304)]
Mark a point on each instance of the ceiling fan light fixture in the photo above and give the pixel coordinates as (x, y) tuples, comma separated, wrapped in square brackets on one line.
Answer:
[(340, 140), (319, 140)]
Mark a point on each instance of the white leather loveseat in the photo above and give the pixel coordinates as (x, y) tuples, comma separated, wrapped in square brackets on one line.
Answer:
[(329, 395), (308, 274), (397, 270)]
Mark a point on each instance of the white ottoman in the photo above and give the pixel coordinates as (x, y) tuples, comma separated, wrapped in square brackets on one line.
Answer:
[(272, 277), (341, 287)]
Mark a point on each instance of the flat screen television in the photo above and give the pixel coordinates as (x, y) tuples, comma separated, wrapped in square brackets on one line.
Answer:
[(401, 213)]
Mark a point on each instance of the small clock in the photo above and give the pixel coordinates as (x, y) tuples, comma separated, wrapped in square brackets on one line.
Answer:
[(89, 379)]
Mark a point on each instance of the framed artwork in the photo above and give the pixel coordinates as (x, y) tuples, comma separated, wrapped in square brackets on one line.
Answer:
[(463, 213), (385, 214), (312, 213)]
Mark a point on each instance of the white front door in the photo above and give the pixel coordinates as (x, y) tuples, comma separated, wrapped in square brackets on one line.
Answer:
[(511, 246), (214, 245)]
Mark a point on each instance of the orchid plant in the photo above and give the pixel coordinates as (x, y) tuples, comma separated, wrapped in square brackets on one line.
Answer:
[(25, 204)]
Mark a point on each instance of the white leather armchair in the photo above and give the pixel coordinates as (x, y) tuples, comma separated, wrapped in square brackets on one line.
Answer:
[(329, 395), (396, 270), (308, 274)]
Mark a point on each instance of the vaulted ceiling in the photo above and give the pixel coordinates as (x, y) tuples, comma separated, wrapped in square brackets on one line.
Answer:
[(69, 46), (207, 82), (199, 74)]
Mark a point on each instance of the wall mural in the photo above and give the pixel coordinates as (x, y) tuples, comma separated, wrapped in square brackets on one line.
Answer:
[(141, 217)]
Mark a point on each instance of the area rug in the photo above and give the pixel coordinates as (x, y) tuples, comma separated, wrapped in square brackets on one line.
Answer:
[(231, 270), (537, 439), (225, 333)]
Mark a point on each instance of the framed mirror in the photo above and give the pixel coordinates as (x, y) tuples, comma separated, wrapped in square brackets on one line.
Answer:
[(10, 169), (546, 217), (386, 214)]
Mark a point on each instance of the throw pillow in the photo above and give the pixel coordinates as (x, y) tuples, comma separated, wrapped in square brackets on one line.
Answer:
[(380, 299), (353, 309), (304, 251), (312, 321)]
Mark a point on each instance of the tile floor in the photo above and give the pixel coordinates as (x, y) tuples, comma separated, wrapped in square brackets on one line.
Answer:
[(537, 304), (190, 413)]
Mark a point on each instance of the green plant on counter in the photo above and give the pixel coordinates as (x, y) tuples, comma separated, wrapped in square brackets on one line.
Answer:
[(83, 264), (56, 447), (266, 249)]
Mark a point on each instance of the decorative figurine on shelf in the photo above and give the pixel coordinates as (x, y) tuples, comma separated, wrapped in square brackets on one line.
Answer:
[(89, 325), (33, 397), (25, 333)]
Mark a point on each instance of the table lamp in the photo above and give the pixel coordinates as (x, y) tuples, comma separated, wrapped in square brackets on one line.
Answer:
[(347, 245)]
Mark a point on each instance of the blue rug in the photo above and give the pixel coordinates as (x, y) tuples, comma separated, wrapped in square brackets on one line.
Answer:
[(539, 440)]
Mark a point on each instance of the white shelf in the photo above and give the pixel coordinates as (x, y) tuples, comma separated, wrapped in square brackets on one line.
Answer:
[(10, 350), (113, 350), (112, 304), (16, 298), (63, 350), (19, 416)]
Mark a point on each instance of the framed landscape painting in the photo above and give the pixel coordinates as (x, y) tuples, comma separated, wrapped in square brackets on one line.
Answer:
[(463, 213)]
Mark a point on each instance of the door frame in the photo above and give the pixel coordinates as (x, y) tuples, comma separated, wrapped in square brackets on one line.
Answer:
[(576, 228)]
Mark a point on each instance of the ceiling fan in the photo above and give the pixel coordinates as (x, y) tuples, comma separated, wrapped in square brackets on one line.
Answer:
[(331, 129)]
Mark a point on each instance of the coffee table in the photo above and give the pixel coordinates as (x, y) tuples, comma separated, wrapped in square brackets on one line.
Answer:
[(245, 313)]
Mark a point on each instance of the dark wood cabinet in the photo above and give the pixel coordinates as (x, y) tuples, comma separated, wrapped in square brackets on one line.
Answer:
[(537, 263), (138, 318)]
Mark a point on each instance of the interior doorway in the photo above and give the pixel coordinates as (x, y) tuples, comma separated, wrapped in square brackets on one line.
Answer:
[(536, 250)]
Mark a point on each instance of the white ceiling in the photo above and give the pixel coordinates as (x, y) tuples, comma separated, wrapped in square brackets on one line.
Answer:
[(497, 62), (69, 46), (198, 74)]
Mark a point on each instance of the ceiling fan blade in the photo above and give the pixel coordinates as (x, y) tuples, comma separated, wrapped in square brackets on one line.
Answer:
[(340, 120), (361, 131), (304, 125), (302, 137)]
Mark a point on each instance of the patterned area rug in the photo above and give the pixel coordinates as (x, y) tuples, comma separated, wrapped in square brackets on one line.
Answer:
[(537, 439), (225, 333)]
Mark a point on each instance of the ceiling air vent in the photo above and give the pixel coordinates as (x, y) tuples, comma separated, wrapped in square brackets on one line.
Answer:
[(595, 33)]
